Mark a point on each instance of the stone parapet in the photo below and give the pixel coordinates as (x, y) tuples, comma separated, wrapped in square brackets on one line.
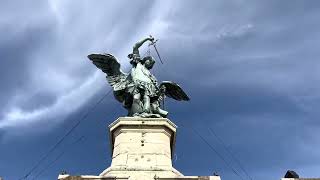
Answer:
[(87, 177)]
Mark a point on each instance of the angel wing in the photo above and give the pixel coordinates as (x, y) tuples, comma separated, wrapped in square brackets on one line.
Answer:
[(174, 91), (109, 65)]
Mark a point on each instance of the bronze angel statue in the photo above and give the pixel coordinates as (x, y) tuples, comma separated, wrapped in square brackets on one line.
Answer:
[(138, 90)]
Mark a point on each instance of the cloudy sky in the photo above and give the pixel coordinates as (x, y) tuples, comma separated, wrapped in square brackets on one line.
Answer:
[(251, 69)]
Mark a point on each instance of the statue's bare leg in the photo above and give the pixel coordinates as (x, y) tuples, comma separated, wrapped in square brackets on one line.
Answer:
[(136, 107), (146, 104)]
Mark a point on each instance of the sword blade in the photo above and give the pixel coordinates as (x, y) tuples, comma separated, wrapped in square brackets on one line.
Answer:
[(155, 47)]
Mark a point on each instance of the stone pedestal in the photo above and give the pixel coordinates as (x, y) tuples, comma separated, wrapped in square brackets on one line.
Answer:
[(142, 149)]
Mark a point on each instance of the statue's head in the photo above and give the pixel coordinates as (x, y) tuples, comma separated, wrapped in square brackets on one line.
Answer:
[(148, 62)]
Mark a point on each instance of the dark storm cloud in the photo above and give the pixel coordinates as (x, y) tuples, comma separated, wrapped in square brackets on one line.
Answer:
[(249, 67), (21, 34), (50, 45), (15, 59), (254, 80)]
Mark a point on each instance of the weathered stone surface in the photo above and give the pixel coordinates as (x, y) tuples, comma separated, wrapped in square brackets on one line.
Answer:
[(68, 177), (142, 148)]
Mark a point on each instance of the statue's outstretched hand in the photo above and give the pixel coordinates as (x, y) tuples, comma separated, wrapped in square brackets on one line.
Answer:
[(151, 38)]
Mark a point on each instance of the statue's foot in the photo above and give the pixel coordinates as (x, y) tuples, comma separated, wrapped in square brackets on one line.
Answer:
[(136, 115), (147, 111), (162, 112), (147, 115), (150, 115)]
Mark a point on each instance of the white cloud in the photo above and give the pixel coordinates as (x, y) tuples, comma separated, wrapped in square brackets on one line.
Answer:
[(60, 67), (234, 30), (65, 105)]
